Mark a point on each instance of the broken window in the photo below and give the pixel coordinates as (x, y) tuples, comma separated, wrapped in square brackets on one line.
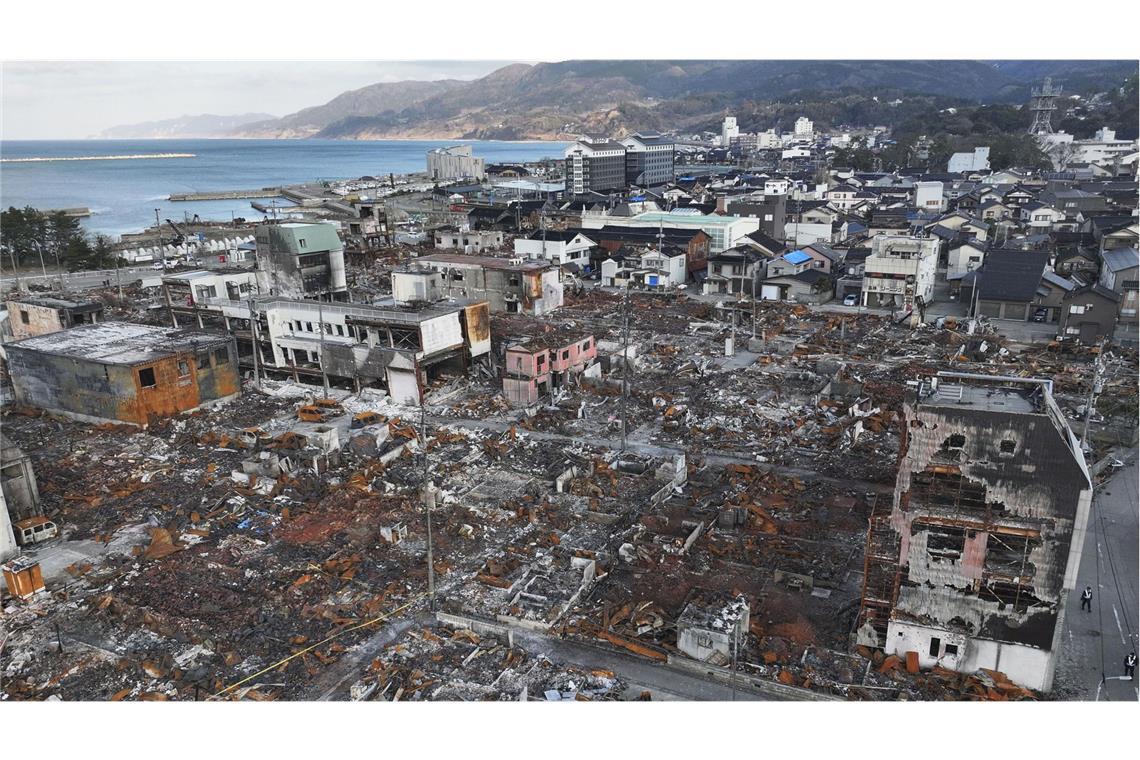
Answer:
[(951, 650), (146, 377), (945, 544), (941, 486), (704, 640), (951, 448), (183, 368), (565, 355), (1008, 446), (204, 360), (221, 356), (935, 646), (24, 317), (1007, 556), (1016, 594)]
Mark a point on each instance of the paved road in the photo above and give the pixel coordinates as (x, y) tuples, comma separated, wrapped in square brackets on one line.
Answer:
[(82, 280), (657, 678), (1109, 564)]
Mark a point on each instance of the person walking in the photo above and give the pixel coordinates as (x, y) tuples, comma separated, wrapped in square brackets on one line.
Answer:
[(1086, 599), (1130, 665)]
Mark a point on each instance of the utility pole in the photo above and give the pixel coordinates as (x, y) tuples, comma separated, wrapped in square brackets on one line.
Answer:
[(255, 343), (59, 270), (735, 650), (625, 364), (161, 245), (321, 326), (40, 251), (428, 499), (15, 268), (1092, 397), (118, 277)]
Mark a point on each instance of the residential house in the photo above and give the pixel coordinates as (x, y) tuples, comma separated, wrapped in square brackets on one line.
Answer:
[(965, 257), (735, 271), (1089, 313), (645, 268), (824, 258), (1120, 273), (559, 246), (1007, 285), (900, 271)]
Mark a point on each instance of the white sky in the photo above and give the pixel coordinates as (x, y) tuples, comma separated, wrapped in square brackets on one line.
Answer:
[(78, 99)]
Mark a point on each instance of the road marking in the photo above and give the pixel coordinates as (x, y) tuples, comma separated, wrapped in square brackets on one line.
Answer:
[(1118, 626)]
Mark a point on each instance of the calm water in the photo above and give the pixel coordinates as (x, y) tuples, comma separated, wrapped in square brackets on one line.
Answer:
[(124, 194)]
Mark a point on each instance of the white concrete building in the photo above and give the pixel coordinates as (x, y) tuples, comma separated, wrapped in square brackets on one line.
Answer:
[(928, 196), (899, 270), (804, 129), (964, 258), (724, 231), (728, 131), (649, 269), (455, 162), (977, 161), (557, 246)]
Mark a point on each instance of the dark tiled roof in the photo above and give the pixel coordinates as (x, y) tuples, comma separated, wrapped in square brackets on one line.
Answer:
[(1011, 275)]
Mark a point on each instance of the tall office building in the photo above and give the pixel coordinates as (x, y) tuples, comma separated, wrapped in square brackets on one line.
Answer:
[(648, 159), (728, 130), (595, 166)]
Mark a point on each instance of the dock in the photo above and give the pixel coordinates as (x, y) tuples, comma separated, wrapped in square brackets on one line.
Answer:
[(227, 195)]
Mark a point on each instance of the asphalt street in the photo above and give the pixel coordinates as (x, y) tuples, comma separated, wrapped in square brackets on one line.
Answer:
[(1095, 643)]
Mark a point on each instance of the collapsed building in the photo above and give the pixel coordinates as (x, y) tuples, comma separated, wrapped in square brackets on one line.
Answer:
[(546, 363), (399, 348), (116, 371), (514, 286), (39, 315), (301, 260), (973, 563)]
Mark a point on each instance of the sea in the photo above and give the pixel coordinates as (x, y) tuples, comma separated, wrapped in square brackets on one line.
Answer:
[(122, 194)]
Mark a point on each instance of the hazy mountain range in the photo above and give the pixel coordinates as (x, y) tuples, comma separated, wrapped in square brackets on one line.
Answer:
[(184, 127), (563, 100)]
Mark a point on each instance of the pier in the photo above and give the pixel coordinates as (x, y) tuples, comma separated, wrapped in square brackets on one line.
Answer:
[(227, 195)]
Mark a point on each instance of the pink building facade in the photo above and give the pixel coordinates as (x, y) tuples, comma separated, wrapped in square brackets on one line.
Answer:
[(542, 365)]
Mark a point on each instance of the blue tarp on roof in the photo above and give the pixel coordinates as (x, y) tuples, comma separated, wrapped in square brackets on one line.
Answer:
[(796, 257)]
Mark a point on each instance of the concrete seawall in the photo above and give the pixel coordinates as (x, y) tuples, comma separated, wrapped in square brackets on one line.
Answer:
[(227, 195)]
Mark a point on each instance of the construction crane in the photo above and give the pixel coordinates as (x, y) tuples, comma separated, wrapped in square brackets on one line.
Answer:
[(179, 237)]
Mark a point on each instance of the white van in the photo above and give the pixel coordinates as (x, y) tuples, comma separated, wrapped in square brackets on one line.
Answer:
[(35, 530)]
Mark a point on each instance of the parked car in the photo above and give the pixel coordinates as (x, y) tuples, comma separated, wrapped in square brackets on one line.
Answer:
[(1040, 315), (35, 530), (157, 265), (851, 299)]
